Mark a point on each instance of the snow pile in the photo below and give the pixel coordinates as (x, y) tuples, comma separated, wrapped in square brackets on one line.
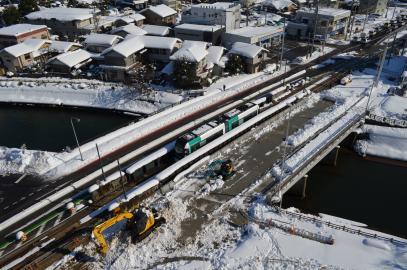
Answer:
[(384, 142), (84, 93), (17, 161), (212, 185), (319, 122), (394, 107)]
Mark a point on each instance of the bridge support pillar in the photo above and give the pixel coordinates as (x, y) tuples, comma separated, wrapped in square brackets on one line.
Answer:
[(336, 154), (332, 157), (304, 186), (300, 188)]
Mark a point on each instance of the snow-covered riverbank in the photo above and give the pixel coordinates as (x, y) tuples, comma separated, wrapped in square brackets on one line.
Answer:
[(84, 93)]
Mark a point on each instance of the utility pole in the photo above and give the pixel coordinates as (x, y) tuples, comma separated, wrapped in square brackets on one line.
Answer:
[(121, 179), (352, 21), (287, 131), (376, 81), (364, 22), (100, 162), (392, 47), (282, 46), (316, 6), (77, 120)]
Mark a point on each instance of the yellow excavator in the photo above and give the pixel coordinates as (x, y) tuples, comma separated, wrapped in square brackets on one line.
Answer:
[(140, 223)]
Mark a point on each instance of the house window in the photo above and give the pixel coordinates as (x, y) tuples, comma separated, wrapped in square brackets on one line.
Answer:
[(324, 23), (27, 56)]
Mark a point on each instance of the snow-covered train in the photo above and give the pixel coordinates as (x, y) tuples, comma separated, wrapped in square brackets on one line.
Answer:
[(208, 132)]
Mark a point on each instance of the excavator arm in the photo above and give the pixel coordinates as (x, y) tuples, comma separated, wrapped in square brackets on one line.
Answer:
[(99, 229)]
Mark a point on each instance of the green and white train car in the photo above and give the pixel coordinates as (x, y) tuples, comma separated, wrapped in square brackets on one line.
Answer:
[(195, 139), (236, 117)]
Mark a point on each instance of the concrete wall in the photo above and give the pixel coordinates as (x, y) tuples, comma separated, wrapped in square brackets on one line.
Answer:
[(211, 16)]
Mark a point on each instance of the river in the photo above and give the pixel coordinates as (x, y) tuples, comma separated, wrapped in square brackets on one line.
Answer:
[(358, 189), (49, 129)]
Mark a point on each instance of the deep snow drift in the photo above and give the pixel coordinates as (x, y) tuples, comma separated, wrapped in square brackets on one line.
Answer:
[(384, 142)]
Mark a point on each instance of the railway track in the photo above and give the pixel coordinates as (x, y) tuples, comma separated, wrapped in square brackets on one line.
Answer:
[(36, 261)]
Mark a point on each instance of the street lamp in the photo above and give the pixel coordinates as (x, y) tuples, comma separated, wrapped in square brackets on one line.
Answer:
[(77, 120)]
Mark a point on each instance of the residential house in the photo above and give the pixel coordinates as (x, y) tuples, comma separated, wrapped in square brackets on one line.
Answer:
[(219, 13), (69, 22), (136, 19), (174, 4), (199, 32), (278, 6), (331, 3), (70, 62), (195, 53), (331, 22), (264, 36), (160, 15), (59, 47), (20, 56), (119, 60), (159, 49), (253, 56), (97, 43), (133, 4), (17, 33), (157, 30), (125, 30), (373, 6), (215, 60)]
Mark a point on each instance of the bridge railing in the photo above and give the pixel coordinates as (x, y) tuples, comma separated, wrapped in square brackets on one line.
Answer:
[(291, 177), (388, 120), (343, 227)]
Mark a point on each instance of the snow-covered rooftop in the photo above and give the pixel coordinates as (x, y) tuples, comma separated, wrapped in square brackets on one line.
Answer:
[(28, 46), (217, 5), (130, 29), (62, 46), (215, 54), (245, 49), (73, 58), (101, 39), (198, 27), (134, 43), (127, 47), (159, 42), (193, 51), (278, 4), (132, 18), (156, 30), (19, 29), (62, 14), (253, 31), (326, 11), (162, 10)]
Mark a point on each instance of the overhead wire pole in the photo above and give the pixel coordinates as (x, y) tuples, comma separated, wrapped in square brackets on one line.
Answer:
[(376, 81), (353, 19), (316, 6), (282, 45), (283, 165)]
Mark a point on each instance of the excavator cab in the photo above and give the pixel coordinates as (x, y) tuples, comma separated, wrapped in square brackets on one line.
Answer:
[(224, 168), (141, 223)]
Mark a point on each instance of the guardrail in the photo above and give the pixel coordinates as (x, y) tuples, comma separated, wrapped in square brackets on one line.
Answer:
[(387, 120), (343, 227)]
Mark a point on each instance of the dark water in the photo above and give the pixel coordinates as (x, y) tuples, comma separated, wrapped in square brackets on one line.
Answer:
[(50, 128), (358, 189)]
